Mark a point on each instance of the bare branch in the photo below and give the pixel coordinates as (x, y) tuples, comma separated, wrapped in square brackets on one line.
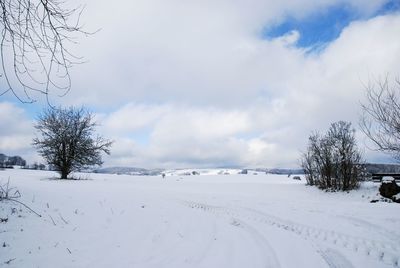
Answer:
[(35, 35), (380, 120)]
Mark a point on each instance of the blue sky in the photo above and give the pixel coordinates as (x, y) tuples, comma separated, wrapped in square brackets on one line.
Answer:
[(205, 83), (320, 28)]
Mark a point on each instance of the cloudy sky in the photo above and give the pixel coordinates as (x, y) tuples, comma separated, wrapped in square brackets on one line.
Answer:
[(220, 83)]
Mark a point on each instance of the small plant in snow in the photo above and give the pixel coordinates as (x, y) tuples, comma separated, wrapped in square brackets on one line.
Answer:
[(12, 194), (7, 192)]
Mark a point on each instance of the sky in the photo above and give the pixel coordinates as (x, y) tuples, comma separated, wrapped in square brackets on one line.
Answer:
[(219, 83)]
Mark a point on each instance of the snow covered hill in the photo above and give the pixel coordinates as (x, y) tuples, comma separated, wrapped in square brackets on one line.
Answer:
[(193, 171), (193, 221)]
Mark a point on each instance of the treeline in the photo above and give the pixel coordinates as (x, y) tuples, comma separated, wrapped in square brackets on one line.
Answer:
[(381, 168), (11, 161)]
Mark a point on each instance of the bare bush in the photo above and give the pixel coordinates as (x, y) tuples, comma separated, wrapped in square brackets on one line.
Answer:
[(333, 161)]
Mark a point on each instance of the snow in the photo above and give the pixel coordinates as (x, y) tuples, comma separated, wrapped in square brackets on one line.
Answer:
[(194, 221), (202, 171), (387, 179)]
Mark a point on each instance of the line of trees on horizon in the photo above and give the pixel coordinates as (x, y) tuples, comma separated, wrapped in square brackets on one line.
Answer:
[(9, 161), (16, 160)]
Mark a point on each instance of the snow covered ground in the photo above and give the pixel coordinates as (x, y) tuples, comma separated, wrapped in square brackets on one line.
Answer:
[(194, 221)]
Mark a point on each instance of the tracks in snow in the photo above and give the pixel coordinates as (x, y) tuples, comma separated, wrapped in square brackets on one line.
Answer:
[(334, 259), (383, 251), (269, 256)]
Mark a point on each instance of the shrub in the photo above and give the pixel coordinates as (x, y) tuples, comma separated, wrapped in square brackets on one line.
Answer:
[(333, 161)]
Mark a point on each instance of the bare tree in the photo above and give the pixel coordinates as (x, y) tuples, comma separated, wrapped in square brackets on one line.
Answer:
[(380, 120), (67, 140), (309, 167), (333, 161), (35, 58), (347, 158), (317, 162)]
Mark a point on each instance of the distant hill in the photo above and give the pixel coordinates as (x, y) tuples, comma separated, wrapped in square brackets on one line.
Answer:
[(285, 171), (382, 168), (370, 168), (155, 172), (129, 171)]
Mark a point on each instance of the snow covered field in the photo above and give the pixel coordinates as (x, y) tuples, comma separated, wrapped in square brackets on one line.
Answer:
[(194, 221)]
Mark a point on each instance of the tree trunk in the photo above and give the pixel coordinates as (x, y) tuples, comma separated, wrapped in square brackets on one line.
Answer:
[(64, 174)]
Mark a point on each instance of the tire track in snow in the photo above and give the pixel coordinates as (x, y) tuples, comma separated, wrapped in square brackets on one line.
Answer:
[(386, 252), (373, 227), (268, 253), (334, 259), (201, 255), (168, 243)]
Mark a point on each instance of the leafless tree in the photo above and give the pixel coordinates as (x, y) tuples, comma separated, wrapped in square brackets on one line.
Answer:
[(333, 161), (347, 158), (34, 47), (67, 140), (380, 120), (309, 167)]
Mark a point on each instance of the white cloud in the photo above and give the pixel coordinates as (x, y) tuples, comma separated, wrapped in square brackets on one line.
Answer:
[(133, 117), (289, 38), (15, 143), (16, 132), (13, 120), (303, 92), (194, 83), (193, 52)]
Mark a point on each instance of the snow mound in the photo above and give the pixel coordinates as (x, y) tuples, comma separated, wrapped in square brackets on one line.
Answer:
[(387, 179)]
